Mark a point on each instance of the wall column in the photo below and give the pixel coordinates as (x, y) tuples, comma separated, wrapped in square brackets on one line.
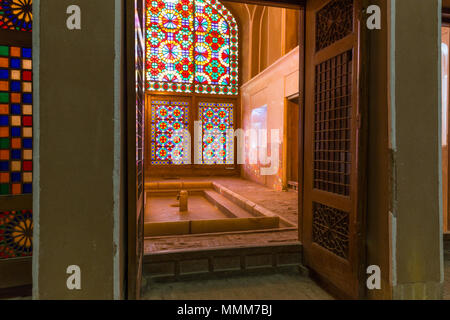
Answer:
[(415, 140), (77, 195)]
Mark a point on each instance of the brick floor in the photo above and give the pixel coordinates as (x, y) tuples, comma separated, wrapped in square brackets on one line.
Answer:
[(283, 286)]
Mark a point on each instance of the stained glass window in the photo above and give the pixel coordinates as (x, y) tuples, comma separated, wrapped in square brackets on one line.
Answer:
[(16, 15), (191, 46), (169, 144), (16, 234), (218, 140), (16, 120)]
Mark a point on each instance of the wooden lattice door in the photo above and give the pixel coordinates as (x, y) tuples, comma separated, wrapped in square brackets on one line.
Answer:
[(332, 219), (135, 142)]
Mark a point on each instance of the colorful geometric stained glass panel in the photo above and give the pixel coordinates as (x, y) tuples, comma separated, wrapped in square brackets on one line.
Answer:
[(16, 234), (169, 37), (218, 136), (215, 49), (192, 46), (16, 121), (16, 15), (169, 125)]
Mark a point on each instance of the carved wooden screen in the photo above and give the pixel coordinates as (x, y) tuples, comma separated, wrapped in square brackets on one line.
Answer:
[(331, 217), (136, 118)]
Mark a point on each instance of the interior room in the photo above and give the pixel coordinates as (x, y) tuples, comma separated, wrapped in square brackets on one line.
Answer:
[(209, 149), (221, 130)]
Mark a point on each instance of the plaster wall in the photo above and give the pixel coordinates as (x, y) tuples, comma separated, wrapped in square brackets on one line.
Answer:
[(78, 105), (265, 35), (415, 139), (269, 89)]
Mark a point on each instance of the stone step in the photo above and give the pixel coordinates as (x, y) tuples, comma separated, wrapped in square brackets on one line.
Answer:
[(229, 208), (219, 262), (250, 206)]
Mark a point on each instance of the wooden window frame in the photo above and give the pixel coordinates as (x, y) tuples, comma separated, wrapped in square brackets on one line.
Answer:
[(194, 169)]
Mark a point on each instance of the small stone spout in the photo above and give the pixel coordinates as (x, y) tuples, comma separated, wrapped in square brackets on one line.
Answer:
[(183, 197)]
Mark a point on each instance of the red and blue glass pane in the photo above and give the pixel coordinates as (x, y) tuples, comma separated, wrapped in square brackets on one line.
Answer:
[(16, 121), (218, 136), (215, 39), (169, 48), (169, 125), (16, 15), (16, 234), (191, 47)]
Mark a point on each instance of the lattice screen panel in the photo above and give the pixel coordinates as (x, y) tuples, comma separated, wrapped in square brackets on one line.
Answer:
[(140, 95), (331, 229), (333, 23), (332, 126)]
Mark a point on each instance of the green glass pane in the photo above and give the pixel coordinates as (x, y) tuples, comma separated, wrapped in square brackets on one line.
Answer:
[(4, 188), (4, 97), (4, 51), (4, 143)]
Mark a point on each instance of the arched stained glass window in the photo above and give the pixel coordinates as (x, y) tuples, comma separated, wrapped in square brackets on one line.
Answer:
[(192, 46), (16, 15)]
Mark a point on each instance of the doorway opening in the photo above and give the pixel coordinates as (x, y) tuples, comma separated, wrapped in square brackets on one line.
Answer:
[(234, 125), (445, 66), (213, 171), (292, 140), (217, 77)]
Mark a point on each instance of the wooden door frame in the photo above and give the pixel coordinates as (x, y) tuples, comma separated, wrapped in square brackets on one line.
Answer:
[(134, 248), (446, 215), (286, 159), (131, 120), (193, 99), (361, 165)]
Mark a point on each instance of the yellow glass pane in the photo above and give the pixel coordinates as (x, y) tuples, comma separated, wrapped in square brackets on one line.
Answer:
[(16, 121), (27, 132), (15, 74), (27, 177), (26, 64), (27, 109), (16, 166), (27, 154), (27, 87)]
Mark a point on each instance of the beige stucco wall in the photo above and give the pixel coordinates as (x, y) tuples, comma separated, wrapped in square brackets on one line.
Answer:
[(75, 195), (265, 35), (269, 88), (416, 149), (403, 200)]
